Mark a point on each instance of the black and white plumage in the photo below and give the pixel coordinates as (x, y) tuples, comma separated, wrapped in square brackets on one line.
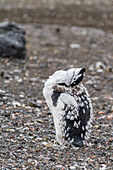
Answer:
[(69, 102)]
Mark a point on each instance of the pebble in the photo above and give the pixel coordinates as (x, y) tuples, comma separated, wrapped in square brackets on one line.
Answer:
[(21, 96), (33, 79), (100, 66), (58, 166), (2, 91), (16, 103), (33, 104), (44, 143), (19, 80), (72, 167), (74, 46)]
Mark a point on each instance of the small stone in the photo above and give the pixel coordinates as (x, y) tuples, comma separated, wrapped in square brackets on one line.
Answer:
[(72, 167), (33, 104), (16, 103), (100, 65), (16, 77), (101, 112), (2, 91), (110, 116), (111, 108), (7, 76), (97, 127), (58, 166), (44, 143), (21, 96), (48, 145), (33, 79), (1, 103), (19, 80), (74, 46), (7, 114)]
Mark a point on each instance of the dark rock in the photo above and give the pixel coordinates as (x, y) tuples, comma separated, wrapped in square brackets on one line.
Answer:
[(49, 113), (57, 30), (7, 114), (33, 104), (52, 159), (1, 73), (20, 147), (12, 40), (7, 76)]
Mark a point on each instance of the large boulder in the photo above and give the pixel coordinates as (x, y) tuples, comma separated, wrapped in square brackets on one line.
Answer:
[(12, 40)]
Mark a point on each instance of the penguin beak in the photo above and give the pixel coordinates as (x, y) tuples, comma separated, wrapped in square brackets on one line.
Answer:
[(82, 70)]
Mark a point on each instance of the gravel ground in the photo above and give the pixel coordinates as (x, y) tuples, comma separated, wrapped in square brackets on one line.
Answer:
[(87, 13), (27, 132)]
